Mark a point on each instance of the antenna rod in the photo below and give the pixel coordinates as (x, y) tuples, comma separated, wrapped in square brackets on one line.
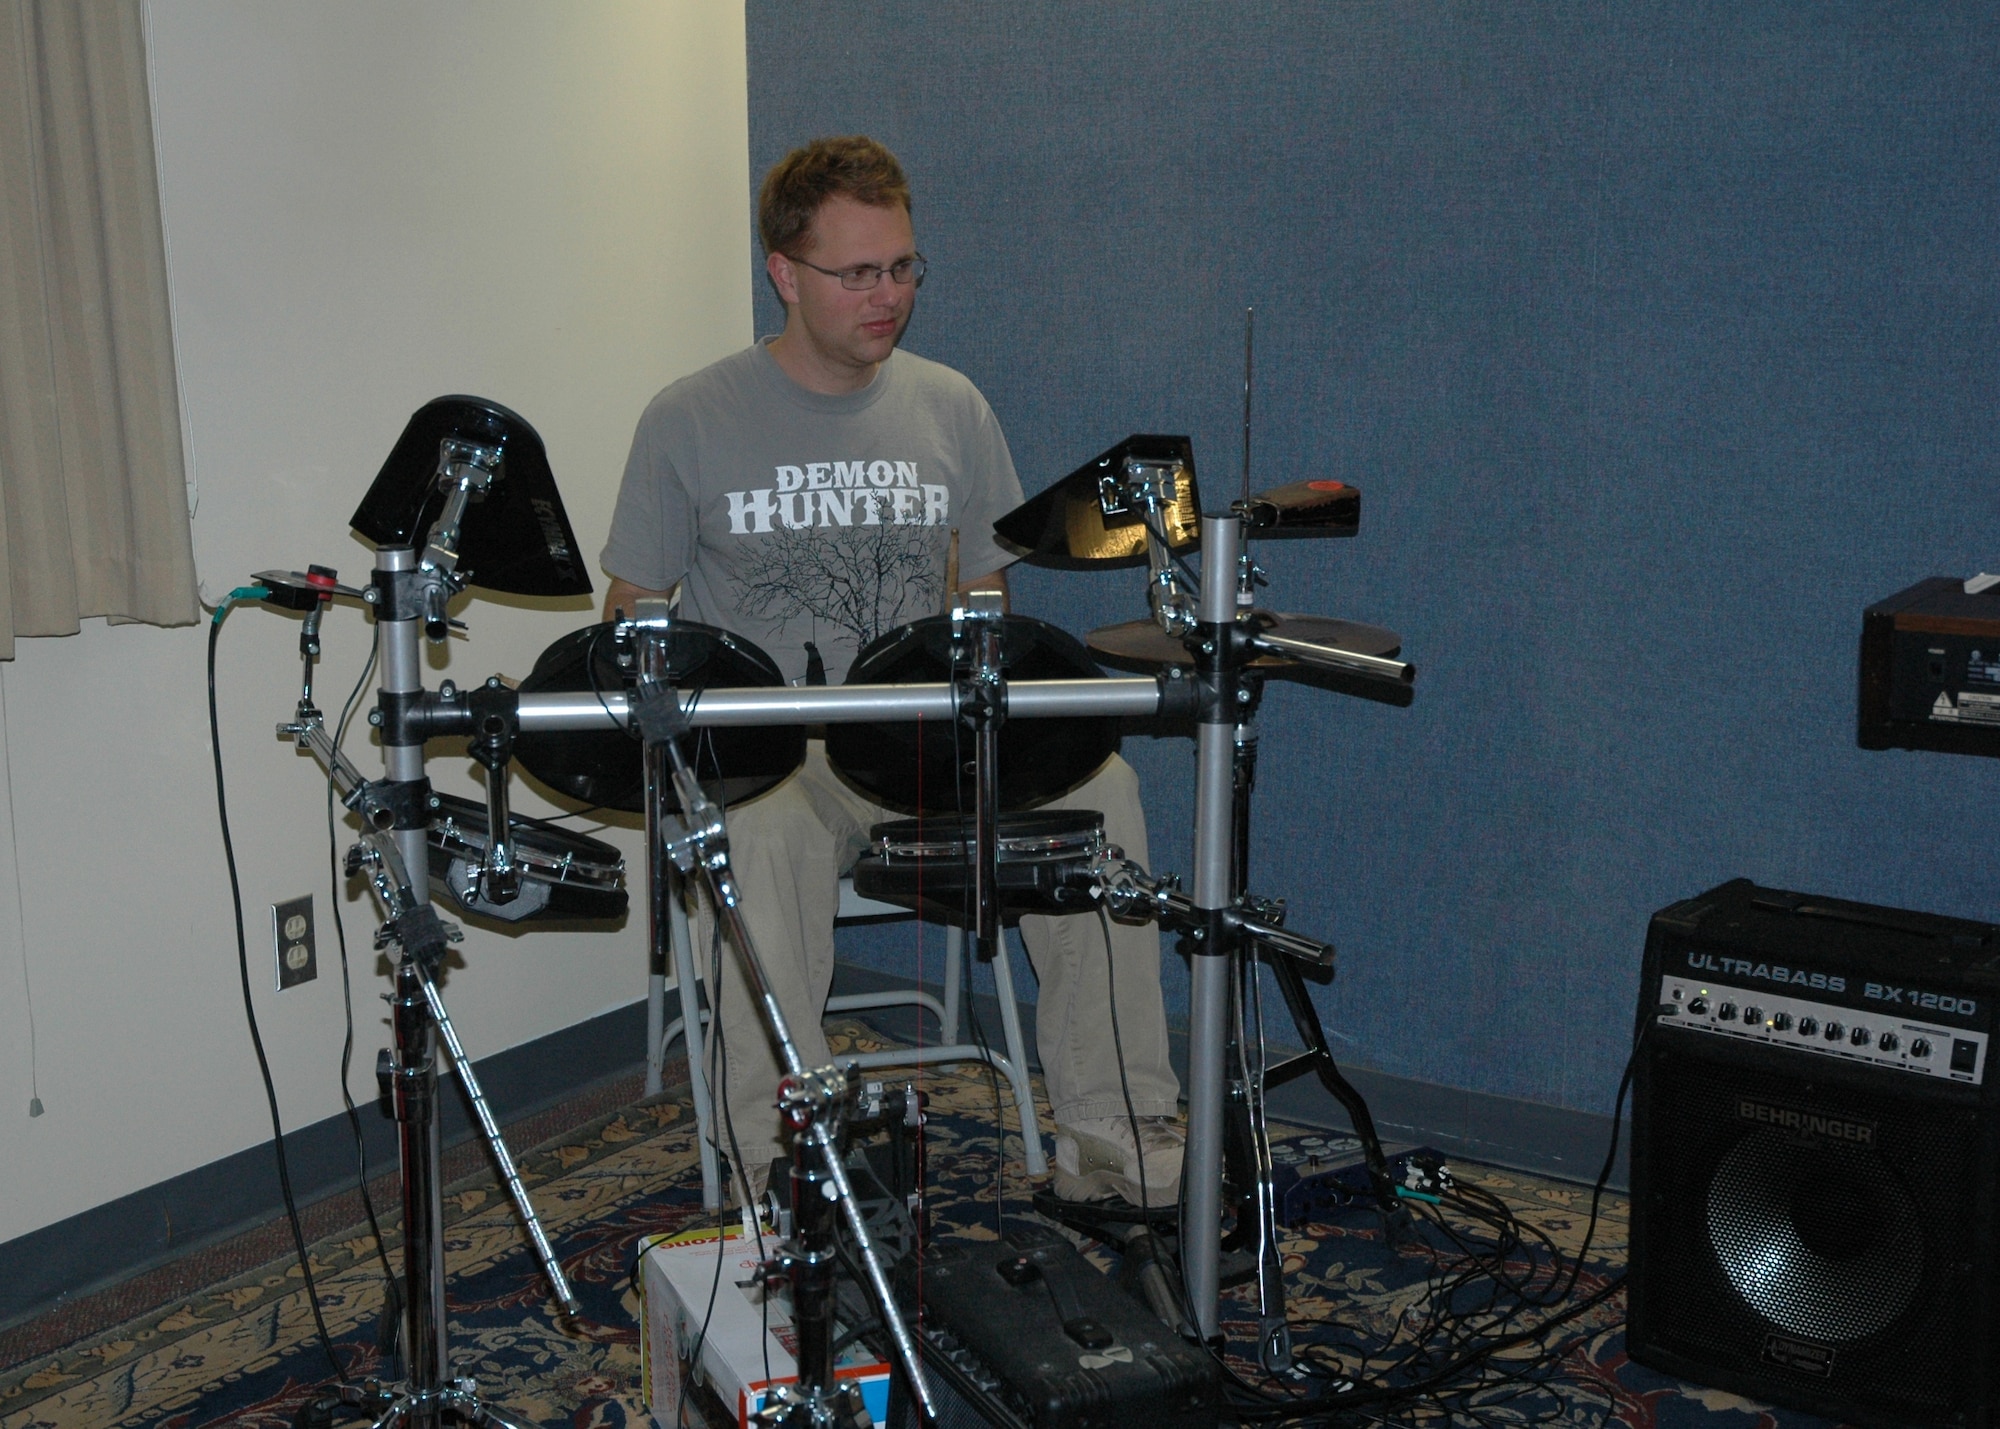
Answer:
[(1249, 338)]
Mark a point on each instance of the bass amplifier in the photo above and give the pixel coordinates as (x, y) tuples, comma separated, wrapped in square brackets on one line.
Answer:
[(1930, 668), (1025, 1333), (1813, 1156)]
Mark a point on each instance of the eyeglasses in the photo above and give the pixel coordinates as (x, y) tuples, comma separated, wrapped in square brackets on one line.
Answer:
[(865, 276)]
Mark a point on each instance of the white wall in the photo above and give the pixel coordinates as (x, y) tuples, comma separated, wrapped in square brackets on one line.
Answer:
[(367, 205)]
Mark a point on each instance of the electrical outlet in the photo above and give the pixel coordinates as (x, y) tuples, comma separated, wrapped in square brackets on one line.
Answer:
[(292, 939)]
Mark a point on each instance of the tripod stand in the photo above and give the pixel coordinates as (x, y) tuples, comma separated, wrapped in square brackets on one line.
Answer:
[(395, 812)]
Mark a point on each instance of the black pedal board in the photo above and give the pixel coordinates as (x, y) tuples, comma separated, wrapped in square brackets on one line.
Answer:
[(1027, 1334)]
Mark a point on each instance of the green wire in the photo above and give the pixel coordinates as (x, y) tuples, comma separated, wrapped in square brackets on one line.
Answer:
[(242, 592)]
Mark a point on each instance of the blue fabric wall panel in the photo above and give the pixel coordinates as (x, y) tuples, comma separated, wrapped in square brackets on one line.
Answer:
[(1660, 339)]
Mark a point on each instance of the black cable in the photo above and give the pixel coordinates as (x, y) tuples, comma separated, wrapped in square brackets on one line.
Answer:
[(894, 1229), (335, 883), (1467, 1333), (691, 1025), (1438, 1377), (630, 725), (714, 1055), (993, 1082), (729, 1132), (1444, 1362), (250, 1007), (1118, 1048), (1146, 522), (1611, 1152), (584, 813), (714, 1283), (1442, 1376)]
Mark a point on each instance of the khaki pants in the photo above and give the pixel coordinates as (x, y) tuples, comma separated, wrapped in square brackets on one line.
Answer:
[(789, 848)]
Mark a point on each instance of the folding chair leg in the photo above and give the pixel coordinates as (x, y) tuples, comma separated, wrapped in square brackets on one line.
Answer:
[(656, 1033), (688, 977), (1017, 1055), (954, 985)]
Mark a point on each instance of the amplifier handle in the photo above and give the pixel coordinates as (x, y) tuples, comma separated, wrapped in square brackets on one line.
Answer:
[(1917, 925)]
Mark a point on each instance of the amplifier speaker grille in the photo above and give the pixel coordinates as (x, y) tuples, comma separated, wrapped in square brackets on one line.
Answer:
[(1840, 1262), (1821, 1241)]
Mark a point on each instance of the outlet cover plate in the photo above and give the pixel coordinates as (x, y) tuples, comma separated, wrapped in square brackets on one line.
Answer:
[(292, 940)]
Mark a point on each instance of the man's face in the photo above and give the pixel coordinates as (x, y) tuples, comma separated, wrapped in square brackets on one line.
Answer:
[(843, 330)]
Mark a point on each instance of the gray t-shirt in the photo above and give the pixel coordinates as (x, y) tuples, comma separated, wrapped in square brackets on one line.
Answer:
[(787, 515)]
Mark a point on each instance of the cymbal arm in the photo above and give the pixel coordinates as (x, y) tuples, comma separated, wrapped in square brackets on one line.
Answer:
[(1332, 657)]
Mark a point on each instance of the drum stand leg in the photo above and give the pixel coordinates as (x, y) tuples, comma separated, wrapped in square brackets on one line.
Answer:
[(425, 1398), (978, 670), (1318, 1059)]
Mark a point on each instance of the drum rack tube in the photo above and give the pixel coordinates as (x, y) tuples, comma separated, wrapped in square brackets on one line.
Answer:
[(1136, 696)]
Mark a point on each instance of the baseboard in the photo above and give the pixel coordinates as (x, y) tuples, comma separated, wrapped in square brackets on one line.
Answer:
[(212, 1203), (1501, 1131)]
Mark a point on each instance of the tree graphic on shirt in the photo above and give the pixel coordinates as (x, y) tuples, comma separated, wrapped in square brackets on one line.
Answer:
[(865, 580)]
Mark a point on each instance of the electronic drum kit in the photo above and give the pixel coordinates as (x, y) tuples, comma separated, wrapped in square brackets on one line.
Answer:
[(678, 720)]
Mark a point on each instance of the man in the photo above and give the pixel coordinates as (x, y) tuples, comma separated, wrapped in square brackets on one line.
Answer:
[(801, 493)]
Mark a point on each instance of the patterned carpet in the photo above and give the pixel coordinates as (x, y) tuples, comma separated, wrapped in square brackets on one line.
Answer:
[(243, 1352)]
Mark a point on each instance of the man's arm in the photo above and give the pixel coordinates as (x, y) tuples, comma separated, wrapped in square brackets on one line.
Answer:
[(623, 595)]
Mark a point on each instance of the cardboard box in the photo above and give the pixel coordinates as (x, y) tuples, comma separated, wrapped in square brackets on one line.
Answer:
[(676, 1276)]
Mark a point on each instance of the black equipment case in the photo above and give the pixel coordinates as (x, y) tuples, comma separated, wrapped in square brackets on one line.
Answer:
[(1027, 1334)]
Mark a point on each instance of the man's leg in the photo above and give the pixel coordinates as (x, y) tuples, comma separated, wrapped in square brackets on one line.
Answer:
[(1079, 1038)]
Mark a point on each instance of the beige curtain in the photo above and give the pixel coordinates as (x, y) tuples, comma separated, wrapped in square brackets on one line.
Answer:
[(93, 495)]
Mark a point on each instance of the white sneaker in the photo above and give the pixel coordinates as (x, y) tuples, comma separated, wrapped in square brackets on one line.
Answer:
[(1096, 1160)]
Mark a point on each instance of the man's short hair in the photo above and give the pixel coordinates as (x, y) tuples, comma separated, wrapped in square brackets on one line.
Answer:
[(847, 166)]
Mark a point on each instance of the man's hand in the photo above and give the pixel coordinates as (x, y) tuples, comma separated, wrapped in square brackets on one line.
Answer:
[(623, 595)]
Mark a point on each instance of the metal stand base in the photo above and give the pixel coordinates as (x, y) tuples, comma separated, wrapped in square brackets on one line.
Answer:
[(457, 1402)]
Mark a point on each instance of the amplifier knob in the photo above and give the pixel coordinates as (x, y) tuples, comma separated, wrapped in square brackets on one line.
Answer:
[(1781, 1022), (1921, 1047), (1859, 1037), (1753, 1015), (1698, 1006), (1808, 1026), (1726, 1012), (1890, 1042), (1834, 1031)]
